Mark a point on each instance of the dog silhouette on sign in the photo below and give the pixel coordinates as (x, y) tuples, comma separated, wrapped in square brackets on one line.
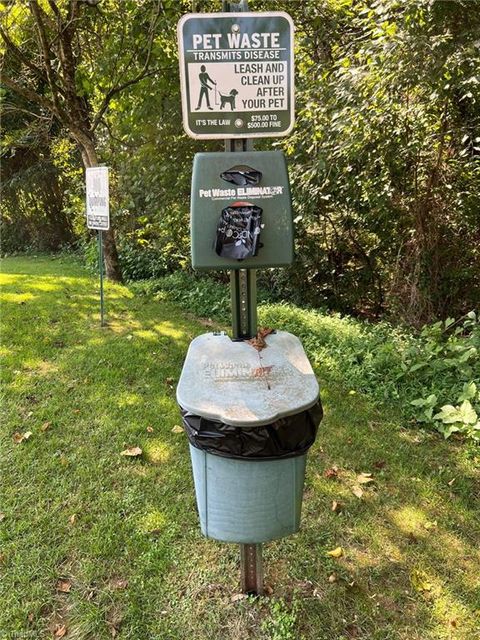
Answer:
[(228, 99)]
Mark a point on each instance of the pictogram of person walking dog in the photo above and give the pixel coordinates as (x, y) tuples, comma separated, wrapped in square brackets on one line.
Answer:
[(205, 89)]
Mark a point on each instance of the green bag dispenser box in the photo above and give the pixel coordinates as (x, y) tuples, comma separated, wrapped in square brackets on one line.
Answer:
[(241, 211), (250, 418)]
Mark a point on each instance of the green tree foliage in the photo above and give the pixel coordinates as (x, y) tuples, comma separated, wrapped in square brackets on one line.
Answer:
[(385, 155), (70, 59), (384, 158), (33, 191)]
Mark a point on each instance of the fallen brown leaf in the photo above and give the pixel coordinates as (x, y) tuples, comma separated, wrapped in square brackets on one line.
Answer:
[(420, 581), (268, 590), (132, 452), (332, 578), (45, 426), (30, 617), (60, 631), (257, 343), (263, 332), (72, 519), (64, 586), (364, 478), (150, 429), (238, 596), (114, 621), (352, 631), (336, 506), (18, 437), (331, 473), (357, 491), (380, 464), (177, 429), (119, 583), (169, 381), (335, 553)]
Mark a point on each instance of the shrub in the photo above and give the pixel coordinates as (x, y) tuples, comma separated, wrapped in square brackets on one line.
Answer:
[(197, 294), (431, 376)]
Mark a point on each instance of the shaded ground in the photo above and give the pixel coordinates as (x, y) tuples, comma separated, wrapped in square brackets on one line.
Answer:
[(122, 533)]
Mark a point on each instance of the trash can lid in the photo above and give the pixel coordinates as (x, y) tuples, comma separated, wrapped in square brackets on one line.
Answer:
[(238, 385)]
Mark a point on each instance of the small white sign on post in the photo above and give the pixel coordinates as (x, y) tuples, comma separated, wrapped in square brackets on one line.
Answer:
[(98, 209)]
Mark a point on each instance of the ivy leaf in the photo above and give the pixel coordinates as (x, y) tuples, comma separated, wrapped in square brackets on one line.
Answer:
[(447, 430), (467, 413), (430, 401), (469, 391), (448, 414)]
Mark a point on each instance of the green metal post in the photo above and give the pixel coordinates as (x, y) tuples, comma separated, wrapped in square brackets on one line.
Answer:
[(100, 266), (243, 287)]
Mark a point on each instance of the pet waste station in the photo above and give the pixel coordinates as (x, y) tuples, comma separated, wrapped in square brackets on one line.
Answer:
[(249, 401)]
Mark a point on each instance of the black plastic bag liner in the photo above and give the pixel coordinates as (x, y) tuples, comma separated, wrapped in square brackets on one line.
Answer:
[(242, 175), (285, 438), (238, 231)]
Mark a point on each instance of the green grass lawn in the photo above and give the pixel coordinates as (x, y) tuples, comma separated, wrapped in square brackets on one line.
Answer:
[(120, 535)]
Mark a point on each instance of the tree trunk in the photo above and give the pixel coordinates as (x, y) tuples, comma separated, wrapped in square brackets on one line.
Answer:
[(110, 253)]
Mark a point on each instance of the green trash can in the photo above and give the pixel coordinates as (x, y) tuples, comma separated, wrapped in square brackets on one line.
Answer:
[(250, 418), (247, 501)]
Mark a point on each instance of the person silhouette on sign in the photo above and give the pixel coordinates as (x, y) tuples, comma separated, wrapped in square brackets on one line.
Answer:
[(205, 87)]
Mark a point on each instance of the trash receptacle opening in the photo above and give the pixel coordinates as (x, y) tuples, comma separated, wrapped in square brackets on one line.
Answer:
[(285, 438)]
